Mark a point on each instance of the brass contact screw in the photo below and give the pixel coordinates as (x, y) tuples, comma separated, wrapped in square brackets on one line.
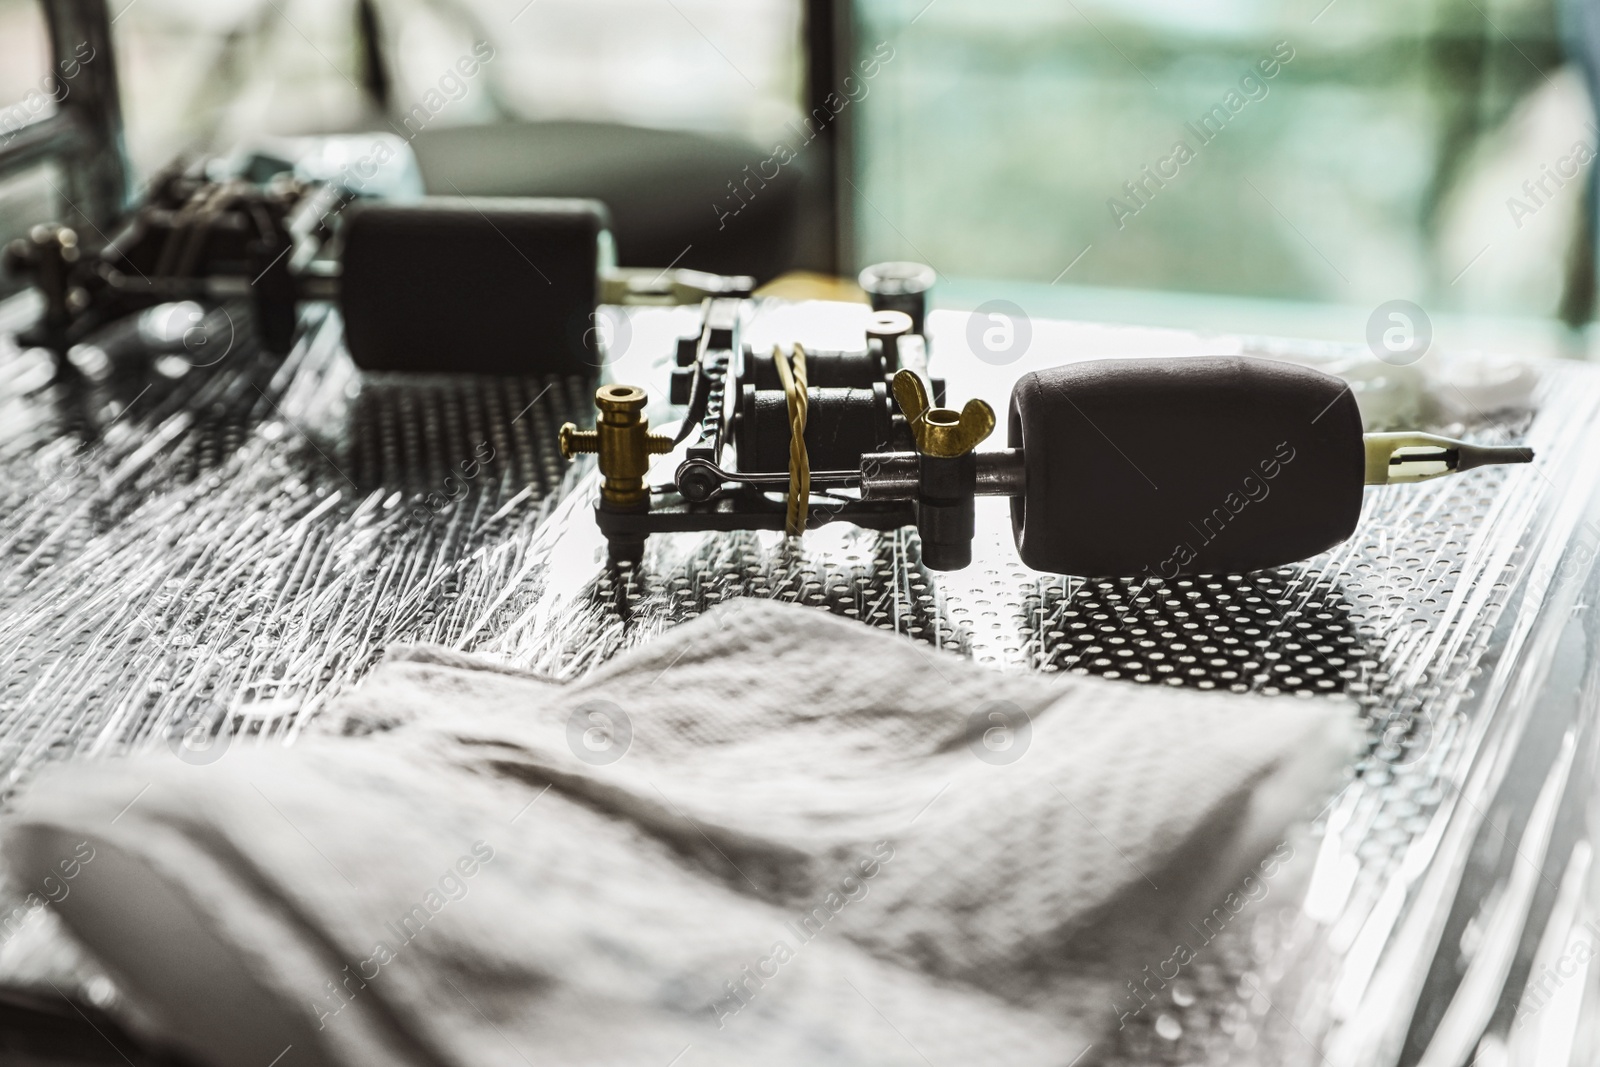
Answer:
[(623, 439)]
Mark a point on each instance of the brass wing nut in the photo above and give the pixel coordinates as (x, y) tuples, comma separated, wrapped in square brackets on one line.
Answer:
[(941, 431), (623, 439)]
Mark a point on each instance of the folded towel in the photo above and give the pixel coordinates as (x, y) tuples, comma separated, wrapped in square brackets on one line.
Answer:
[(769, 835)]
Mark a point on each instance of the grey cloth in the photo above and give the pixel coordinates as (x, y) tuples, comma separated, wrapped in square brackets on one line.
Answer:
[(767, 836)]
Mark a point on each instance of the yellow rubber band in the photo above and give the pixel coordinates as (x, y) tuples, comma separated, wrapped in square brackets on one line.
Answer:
[(794, 390)]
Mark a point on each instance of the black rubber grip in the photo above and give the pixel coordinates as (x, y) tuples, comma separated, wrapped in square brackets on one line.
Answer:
[(486, 285), (1186, 465)]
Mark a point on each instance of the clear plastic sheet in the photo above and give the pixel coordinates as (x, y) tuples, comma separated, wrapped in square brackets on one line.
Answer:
[(212, 552)]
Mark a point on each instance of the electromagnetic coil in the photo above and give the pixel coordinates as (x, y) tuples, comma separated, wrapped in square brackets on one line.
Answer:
[(824, 370), (841, 426)]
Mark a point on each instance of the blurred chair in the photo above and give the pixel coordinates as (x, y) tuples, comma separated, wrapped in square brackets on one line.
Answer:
[(665, 188)]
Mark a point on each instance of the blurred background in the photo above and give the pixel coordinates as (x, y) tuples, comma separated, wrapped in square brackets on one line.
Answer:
[(1438, 151)]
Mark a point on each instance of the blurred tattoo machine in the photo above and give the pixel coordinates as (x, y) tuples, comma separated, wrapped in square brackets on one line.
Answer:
[(482, 285)]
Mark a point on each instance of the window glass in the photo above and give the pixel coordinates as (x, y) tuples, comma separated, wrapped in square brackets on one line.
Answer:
[(27, 89), (1311, 151)]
